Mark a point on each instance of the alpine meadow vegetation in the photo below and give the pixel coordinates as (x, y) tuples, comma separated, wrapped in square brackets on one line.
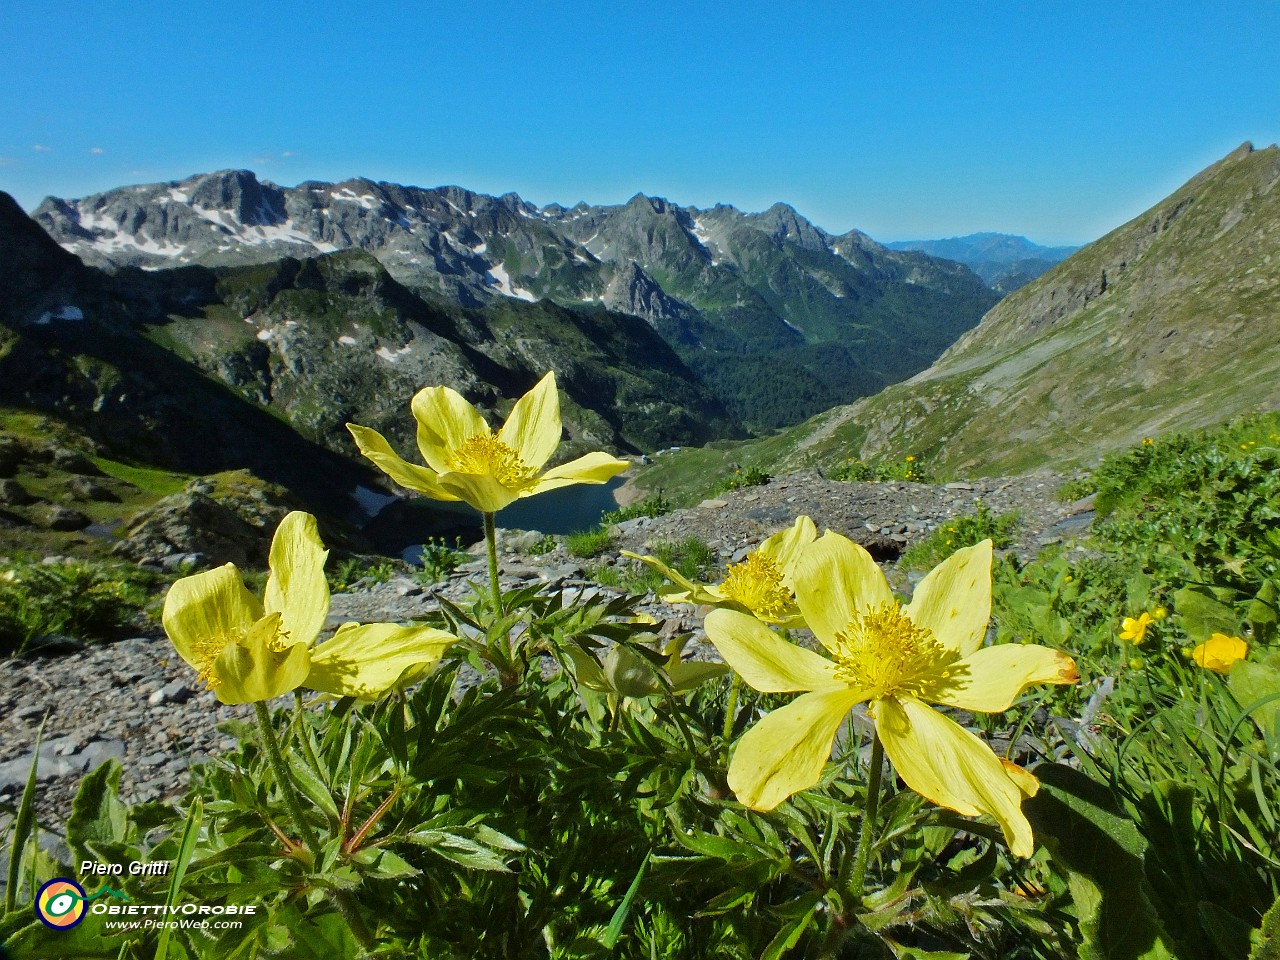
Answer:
[(1071, 756)]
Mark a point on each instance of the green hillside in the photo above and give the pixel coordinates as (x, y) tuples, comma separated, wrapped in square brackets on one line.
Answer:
[(1166, 323)]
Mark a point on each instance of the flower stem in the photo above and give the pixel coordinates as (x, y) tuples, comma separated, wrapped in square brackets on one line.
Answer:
[(283, 778), (491, 540), (858, 880), (342, 899), (850, 886)]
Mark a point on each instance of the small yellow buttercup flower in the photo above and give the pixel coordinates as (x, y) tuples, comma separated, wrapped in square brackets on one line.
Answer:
[(1133, 629), (1159, 613), (247, 650), (467, 461), (897, 660), (760, 585), (1219, 652)]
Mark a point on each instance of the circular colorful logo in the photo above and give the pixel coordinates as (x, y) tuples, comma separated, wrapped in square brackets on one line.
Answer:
[(61, 904)]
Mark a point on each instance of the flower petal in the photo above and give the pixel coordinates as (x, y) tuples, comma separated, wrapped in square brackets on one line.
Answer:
[(943, 762), (990, 679), (296, 587), (954, 600), (533, 427), (1219, 652), (367, 661), (834, 577), (685, 590), (445, 421), (786, 751), (590, 468), (255, 669), (689, 674), (374, 446), (210, 607), (766, 661), (482, 490), (785, 547)]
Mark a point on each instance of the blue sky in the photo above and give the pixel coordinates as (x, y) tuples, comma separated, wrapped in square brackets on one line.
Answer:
[(907, 120)]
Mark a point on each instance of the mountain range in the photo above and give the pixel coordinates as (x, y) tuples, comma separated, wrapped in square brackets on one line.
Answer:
[(777, 318), (1168, 322), (1004, 261)]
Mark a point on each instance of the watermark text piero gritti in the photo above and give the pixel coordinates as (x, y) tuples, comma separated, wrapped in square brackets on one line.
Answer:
[(136, 868)]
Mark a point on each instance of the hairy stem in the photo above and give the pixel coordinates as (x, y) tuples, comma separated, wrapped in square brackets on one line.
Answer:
[(491, 541), (342, 899), (291, 798)]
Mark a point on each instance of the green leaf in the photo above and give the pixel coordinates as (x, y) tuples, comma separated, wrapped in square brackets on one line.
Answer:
[(614, 930), (1103, 854), (1256, 687), (1202, 615), (464, 851), (98, 817), (1264, 612), (85, 941), (22, 828), (1266, 939), (186, 848), (312, 787), (790, 933)]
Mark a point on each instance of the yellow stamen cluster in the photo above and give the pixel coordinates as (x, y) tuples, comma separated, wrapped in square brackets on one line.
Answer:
[(756, 583), (207, 650), (484, 453), (883, 652)]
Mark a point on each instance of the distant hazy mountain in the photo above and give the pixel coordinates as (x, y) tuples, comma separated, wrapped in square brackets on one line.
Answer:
[(1167, 322), (1006, 262), (778, 317)]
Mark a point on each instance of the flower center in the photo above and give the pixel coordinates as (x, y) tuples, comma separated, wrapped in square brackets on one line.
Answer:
[(209, 649), (756, 583), (484, 453), (883, 651)]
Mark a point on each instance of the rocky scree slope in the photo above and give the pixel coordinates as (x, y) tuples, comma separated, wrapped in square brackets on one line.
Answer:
[(138, 702), (827, 318)]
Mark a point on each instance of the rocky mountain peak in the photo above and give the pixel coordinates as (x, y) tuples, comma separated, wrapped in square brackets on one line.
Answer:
[(782, 222)]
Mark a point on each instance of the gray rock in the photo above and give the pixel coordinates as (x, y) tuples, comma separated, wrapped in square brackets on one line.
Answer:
[(14, 494), (99, 752), (84, 488), (174, 692), (176, 562), (60, 518)]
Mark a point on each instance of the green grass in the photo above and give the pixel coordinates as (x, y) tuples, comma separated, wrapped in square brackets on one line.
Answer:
[(589, 543), (690, 557), (86, 600), (654, 506), (961, 532), (910, 468), (162, 483), (353, 570)]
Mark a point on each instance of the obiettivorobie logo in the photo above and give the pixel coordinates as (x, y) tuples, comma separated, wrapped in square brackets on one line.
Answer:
[(61, 903)]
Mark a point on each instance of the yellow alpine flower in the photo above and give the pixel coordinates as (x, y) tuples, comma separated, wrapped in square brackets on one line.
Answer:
[(897, 659), (760, 585), (1135, 629), (247, 650), (467, 461), (1219, 652)]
